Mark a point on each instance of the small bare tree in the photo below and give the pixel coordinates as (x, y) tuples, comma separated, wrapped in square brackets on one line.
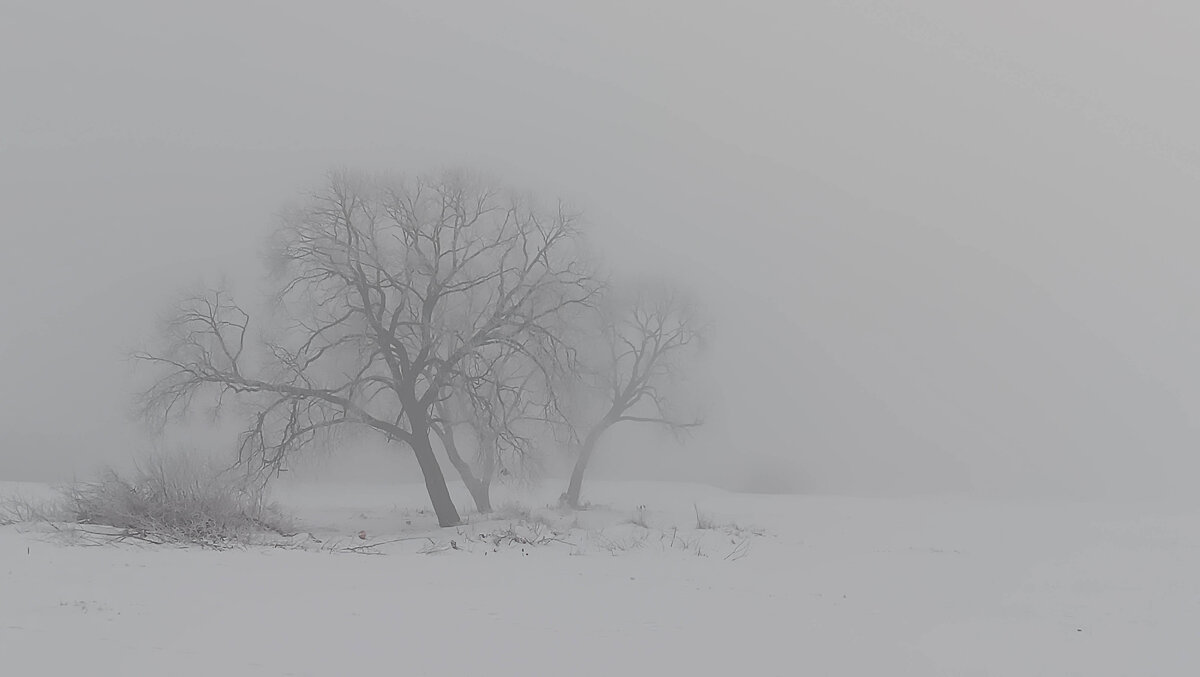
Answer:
[(386, 293), (501, 407), (639, 347)]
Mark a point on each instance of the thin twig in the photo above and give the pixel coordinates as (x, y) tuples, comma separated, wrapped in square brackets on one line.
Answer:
[(368, 546)]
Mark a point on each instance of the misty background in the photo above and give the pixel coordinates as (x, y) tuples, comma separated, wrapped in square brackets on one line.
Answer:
[(945, 248)]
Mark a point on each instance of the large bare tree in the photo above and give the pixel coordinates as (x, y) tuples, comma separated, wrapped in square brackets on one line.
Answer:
[(386, 293), (639, 344)]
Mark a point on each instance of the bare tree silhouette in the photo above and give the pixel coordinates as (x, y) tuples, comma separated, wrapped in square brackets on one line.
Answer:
[(387, 293)]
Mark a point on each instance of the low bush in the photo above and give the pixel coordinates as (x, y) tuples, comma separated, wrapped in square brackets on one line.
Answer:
[(176, 498)]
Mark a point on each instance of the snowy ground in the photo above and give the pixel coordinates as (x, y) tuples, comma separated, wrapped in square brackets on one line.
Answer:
[(832, 586)]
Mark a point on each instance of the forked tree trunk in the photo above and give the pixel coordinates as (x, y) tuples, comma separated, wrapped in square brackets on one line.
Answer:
[(481, 492), (479, 488), (435, 481), (487, 470), (571, 497)]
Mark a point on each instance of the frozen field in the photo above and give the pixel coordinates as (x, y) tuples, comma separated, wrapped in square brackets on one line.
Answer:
[(827, 586)]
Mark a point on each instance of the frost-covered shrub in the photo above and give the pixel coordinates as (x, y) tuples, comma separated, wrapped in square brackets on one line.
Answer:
[(176, 497)]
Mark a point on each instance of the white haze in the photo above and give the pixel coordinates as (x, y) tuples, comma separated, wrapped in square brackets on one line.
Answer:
[(947, 246)]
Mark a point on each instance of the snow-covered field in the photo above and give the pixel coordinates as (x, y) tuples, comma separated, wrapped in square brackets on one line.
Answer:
[(802, 586)]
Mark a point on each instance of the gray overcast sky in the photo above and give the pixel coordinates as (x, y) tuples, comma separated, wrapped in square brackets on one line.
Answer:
[(950, 246)]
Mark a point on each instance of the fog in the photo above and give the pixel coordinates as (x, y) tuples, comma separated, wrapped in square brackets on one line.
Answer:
[(945, 248)]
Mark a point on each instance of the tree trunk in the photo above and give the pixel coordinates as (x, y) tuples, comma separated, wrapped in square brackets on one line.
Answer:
[(487, 469), (571, 497), (435, 481), (480, 491)]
